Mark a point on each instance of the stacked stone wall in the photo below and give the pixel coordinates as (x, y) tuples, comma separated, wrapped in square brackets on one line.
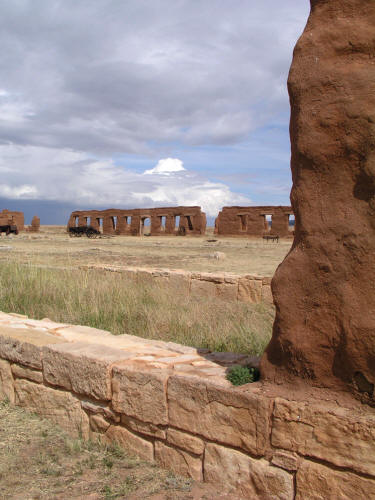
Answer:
[(251, 289), (173, 404)]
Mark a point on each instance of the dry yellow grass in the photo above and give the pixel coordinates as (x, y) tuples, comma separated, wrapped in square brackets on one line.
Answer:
[(110, 301), (38, 461), (54, 247)]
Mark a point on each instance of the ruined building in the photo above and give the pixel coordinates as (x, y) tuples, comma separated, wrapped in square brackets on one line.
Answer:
[(15, 218), (35, 225), (254, 221), (136, 222)]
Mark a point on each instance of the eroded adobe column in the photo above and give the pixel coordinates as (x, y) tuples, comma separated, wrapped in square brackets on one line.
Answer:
[(324, 290)]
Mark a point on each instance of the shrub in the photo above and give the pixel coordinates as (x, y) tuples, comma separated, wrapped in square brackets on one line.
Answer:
[(240, 375)]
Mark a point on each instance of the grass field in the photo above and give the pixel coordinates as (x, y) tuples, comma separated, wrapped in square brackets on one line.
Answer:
[(38, 461), (112, 302), (53, 247)]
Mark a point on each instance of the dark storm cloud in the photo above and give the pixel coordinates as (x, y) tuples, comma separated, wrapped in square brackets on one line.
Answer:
[(85, 82), (113, 75)]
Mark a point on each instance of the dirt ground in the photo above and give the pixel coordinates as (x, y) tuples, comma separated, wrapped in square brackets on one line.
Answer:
[(38, 461), (53, 247)]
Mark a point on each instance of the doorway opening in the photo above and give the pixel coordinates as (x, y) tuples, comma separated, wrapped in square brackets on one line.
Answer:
[(145, 226)]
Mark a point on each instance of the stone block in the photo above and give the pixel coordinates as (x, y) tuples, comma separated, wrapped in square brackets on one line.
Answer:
[(249, 291), (6, 381), (145, 428), (286, 460), (227, 292), (74, 333), (200, 288), (140, 393), (345, 437), (267, 294), (180, 282), (59, 406), (20, 371), (231, 416), (81, 367), (179, 461), (185, 441), (98, 424), (24, 345), (100, 409), (130, 442), (246, 476), (318, 482), (215, 278)]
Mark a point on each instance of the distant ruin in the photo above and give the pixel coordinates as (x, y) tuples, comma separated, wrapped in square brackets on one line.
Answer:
[(141, 221), (35, 225), (255, 221), (11, 217)]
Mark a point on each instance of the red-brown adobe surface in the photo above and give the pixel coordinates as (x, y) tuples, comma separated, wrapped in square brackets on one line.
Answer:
[(12, 217), (163, 221), (252, 221), (324, 290)]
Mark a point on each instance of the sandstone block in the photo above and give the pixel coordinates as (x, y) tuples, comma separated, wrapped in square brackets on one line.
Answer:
[(98, 424), (251, 478), (140, 393), (249, 291), (235, 417), (215, 278), (179, 461), (180, 282), (200, 288), (344, 437), (24, 345), (267, 294), (185, 441), (100, 409), (6, 381), (59, 406), (317, 482), (145, 428), (129, 441), (285, 460), (227, 292), (20, 371), (73, 333), (81, 367)]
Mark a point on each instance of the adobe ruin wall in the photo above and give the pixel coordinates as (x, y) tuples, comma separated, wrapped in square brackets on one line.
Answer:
[(13, 217), (35, 225), (252, 221), (173, 404), (163, 221)]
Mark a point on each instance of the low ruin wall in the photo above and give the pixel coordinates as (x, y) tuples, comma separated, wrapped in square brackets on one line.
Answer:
[(162, 221), (247, 288), (252, 221), (173, 404)]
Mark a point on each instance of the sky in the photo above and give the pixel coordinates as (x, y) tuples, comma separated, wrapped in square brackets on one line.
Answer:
[(145, 103)]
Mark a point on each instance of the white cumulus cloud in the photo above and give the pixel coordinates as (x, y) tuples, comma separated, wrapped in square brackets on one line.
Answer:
[(76, 178), (166, 166)]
